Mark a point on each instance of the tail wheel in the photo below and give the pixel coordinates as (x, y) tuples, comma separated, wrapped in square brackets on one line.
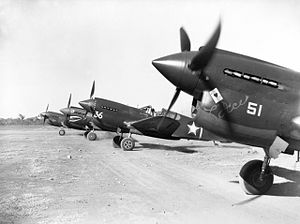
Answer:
[(250, 179), (92, 136), (62, 132), (117, 141), (127, 144)]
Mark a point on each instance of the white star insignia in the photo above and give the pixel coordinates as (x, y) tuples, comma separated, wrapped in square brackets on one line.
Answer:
[(193, 128)]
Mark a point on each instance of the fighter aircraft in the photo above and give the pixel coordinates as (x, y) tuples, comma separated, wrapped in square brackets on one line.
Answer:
[(71, 117), (54, 119), (240, 98), (80, 119), (116, 117)]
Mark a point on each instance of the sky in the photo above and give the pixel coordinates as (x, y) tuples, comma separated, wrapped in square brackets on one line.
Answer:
[(51, 48)]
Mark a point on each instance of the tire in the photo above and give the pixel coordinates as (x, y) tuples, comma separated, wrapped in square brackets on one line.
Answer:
[(117, 141), (249, 178), (92, 136), (62, 132), (127, 144)]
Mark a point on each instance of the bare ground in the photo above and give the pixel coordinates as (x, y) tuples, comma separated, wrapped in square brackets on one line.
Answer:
[(46, 178)]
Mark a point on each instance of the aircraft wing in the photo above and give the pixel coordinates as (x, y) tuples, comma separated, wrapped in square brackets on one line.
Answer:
[(149, 127), (174, 126)]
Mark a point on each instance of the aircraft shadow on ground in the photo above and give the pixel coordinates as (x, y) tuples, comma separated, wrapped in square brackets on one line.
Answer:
[(184, 149), (288, 189), (285, 189)]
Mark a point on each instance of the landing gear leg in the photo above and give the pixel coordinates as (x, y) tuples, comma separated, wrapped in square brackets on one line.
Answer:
[(86, 133), (256, 176), (264, 166), (298, 156)]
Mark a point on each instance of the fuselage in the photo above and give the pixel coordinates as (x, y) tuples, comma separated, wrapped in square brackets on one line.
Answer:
[(113, 116)]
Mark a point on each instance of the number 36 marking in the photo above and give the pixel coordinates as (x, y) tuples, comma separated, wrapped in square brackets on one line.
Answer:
[(254, 109), (99, 114)]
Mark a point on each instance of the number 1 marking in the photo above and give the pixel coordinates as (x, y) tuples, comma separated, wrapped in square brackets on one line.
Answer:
[(259, 110)]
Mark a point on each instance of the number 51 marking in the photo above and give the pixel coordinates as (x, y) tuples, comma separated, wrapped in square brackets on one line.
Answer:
[(254, 109)]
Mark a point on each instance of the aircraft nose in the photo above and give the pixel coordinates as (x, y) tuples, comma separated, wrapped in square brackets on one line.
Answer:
[(171, 67), (41, 115), (87, 104), (175, 69)]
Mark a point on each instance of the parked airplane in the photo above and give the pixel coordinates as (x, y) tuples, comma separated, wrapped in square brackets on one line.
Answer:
[(71, 117), (54, 119), (116, 117), (240, 98), (80, 119)]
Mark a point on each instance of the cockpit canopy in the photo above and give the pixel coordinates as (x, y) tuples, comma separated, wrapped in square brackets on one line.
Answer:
[(148, 109), (170, 114)]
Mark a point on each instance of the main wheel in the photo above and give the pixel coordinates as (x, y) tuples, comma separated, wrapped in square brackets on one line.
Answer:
[(92, 136), (127, 144), (250, 178), (117, 141), (62, 132)]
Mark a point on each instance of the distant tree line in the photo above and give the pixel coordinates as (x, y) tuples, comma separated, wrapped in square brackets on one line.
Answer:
[(21, 121)]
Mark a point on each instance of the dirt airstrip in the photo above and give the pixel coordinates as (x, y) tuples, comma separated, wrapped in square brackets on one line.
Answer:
[(46, 178)]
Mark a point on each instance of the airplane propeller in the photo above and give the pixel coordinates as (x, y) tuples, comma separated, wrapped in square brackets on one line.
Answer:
[(185, 42), (199, 61), (88, 104), (92, 90), (67, 116), (45, 114), (204, 55), (69, 102), (197, 65), (92, 97), (185, 45)]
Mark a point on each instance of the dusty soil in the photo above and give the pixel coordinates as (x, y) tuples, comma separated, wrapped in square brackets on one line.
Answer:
[(46, 178)]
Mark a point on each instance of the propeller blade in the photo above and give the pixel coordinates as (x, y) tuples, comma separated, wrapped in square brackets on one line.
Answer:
[(185, 42), (67, 118), (47, 107), (93, 90), (205, 53), (45, 117), (69, 102), (175, 97), (177, 92)]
